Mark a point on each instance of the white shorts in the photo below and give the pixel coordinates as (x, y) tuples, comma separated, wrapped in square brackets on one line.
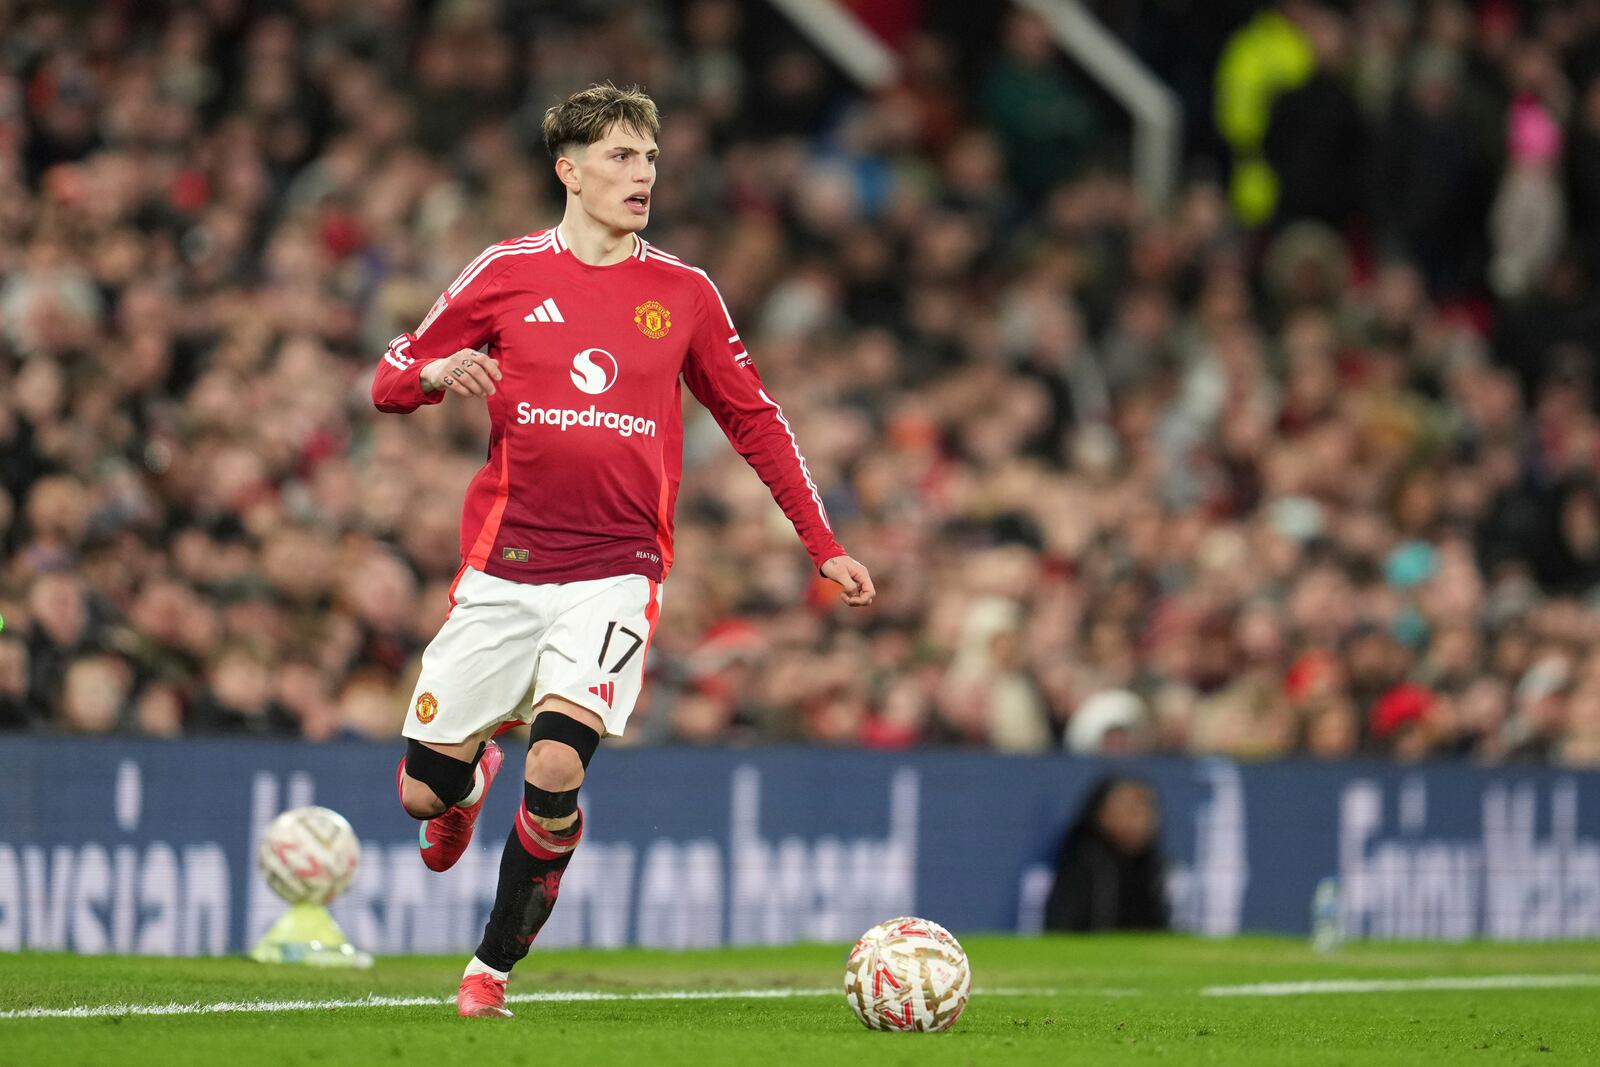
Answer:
[(505, 646)]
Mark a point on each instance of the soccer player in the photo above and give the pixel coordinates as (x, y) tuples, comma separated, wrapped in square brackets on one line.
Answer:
[(577, 337)]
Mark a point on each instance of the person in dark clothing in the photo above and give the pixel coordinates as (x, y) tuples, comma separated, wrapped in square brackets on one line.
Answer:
[(1317, 137), (1435, 176), (1110, 872), (1571, 563)]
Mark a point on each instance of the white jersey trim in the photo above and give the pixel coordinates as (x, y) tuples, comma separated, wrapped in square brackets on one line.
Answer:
[(491, 250), (395, 355), (805, 470), (527, 246), (652, 252)]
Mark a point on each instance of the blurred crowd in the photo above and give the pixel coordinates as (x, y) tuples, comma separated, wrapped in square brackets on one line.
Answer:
[(1301, 462)]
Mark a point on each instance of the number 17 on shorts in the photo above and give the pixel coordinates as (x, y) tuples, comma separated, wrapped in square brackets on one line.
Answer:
[(594, 653), (607, 690)]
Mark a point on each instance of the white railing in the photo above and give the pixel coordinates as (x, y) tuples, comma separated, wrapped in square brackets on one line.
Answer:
[(842, 38), (1157, 115)]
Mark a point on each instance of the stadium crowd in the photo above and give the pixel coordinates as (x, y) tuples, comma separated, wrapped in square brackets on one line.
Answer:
[(1304, 462)]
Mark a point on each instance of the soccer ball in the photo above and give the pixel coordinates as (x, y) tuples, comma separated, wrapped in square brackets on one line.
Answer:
[(907, 974), (309, 855)]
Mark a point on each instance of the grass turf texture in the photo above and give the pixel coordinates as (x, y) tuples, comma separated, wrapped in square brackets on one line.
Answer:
[(1111, 1000)]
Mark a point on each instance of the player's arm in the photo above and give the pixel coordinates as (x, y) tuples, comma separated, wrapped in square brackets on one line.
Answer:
[(420, 368), (722, 377)]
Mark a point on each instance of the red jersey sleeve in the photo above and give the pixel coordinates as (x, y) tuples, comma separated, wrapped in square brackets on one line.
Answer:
[(460, 318), (723, 378)]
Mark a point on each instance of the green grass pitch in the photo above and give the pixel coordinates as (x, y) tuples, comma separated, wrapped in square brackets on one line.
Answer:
[(1051, 1000)]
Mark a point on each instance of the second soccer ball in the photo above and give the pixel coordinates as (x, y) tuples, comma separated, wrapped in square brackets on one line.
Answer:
[(309, 855), (907, 974)]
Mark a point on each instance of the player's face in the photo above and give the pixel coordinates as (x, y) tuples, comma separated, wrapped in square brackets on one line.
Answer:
[(616, 177)]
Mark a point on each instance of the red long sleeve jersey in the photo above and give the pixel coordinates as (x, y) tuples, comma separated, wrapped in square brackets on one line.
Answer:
[(586, 439)]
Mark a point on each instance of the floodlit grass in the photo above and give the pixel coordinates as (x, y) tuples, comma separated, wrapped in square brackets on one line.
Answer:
[(1053, 1000)]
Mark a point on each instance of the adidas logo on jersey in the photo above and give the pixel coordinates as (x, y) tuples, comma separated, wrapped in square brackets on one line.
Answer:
[(606, 691), (545, 312)]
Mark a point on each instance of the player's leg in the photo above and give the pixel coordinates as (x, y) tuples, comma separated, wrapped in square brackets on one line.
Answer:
[(549, 827), (445, 786), (590, 671), (476, 673)]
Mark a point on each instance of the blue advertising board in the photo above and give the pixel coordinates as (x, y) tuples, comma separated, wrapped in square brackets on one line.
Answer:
[(148, 847)]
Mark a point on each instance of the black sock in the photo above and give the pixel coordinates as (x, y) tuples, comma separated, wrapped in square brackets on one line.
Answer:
[(530, 878)]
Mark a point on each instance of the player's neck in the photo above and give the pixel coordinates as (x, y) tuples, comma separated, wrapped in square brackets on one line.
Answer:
[(596, 245)]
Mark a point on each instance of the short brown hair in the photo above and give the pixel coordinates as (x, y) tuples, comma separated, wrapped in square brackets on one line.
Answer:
[(585, 116)]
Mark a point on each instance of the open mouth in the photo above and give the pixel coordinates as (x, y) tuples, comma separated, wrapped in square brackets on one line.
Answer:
[(639, 201)]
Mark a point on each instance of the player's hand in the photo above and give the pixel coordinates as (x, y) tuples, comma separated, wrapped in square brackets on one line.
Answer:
[(467, 373), (858, 590)]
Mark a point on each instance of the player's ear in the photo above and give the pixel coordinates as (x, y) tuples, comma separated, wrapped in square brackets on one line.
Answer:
[(567, 173)]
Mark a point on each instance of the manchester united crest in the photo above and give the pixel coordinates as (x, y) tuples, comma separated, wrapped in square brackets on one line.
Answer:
[(652, 319), (427, 708)]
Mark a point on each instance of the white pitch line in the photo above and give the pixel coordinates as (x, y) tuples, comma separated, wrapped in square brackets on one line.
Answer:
[(1402, 985), (223, 1007)]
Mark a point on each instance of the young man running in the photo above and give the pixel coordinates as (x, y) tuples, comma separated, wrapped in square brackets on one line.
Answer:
[(566, 534)]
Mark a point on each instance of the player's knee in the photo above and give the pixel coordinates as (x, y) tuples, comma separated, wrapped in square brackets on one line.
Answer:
[(554, 765), (559, 751), (433, 781), (419, 801)]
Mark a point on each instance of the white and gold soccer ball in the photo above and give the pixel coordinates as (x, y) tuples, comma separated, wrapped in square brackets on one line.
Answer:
[(309, 855), (907, 974)]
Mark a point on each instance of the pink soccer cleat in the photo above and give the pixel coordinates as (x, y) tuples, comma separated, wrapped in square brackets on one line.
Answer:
[(482, 996), (444, 838)]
